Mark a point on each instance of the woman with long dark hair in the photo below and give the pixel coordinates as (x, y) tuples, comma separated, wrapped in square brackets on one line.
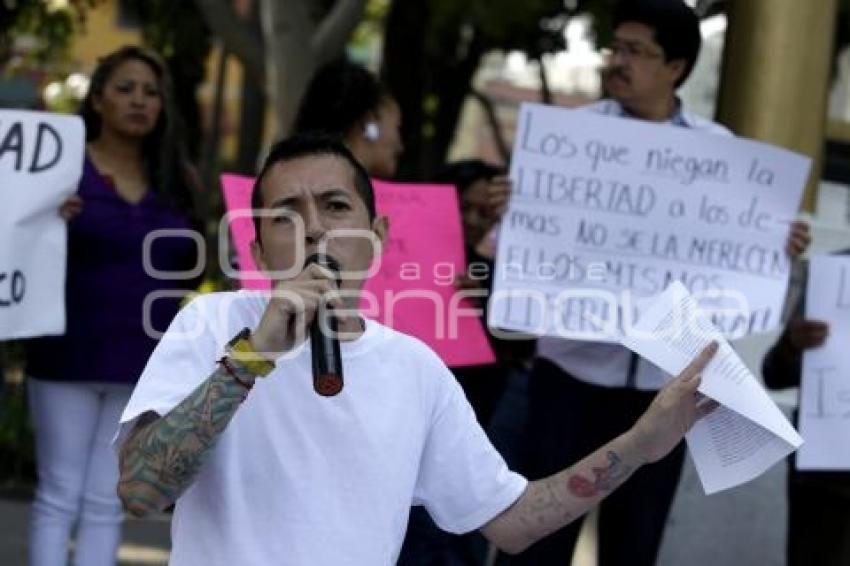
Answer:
[(135, 185), (346, 100)]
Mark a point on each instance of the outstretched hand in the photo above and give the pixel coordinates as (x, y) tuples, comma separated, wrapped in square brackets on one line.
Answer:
[(498, 194), (799, 239), (802, 334), (673, 411)]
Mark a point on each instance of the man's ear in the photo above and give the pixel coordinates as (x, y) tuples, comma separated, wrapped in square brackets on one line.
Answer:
[(677, 69), (258, 256), (97, 103), (381, 228)]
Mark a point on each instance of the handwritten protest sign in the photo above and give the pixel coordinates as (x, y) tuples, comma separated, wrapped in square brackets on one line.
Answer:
[(41, 161), (606, 212), (825, 386), (412, 290)]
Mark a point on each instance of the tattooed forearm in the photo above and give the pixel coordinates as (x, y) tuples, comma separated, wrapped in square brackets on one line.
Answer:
[(162, 455), (544, 506), (605, 478), (551, 503)]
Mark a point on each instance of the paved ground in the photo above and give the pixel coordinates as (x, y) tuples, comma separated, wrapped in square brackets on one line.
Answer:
[(145, 541), (743, 526)]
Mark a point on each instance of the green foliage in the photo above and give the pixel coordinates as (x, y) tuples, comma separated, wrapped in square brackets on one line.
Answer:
[(174, 29), (17, 453), (532, 26), (51, 28), (372, 25), (444, 41), (526, 26)]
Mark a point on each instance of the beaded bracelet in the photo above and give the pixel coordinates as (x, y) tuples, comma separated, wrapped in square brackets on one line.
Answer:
[(225, 363)]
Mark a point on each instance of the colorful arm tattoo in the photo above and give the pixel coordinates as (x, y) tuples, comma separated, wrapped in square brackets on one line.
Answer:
[(162, 456), (605, 478), (550, 503)]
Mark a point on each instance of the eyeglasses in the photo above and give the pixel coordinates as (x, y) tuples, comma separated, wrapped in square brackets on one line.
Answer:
[(631, 50)]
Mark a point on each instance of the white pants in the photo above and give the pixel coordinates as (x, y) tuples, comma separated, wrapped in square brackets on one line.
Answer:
[(77, 471)]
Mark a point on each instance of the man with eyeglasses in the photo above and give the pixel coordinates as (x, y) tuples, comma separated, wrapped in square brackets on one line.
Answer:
[(582, 392)]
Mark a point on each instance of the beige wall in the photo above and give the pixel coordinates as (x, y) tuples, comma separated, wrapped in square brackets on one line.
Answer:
[(102, 34)]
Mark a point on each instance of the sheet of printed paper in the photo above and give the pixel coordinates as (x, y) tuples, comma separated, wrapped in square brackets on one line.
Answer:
[(606, 211), (41, 161), (825, 385), (748, 433)]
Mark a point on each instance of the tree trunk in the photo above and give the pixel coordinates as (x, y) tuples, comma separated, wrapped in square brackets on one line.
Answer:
[(251, 127), (295, 48), (209, 155), (404, 49), (283, 58), (545, 91), (495, 125), (238, 37), (289, 60), (432, 97), (251, 113), (453, 86)]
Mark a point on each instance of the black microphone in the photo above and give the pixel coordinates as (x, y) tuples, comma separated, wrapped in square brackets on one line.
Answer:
[(327, 361)]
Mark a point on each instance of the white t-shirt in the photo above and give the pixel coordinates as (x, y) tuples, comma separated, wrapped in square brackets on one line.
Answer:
[(301, 479)]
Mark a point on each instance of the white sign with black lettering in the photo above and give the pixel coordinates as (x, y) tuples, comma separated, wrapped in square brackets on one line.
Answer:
[(606, 212), (825, 384), (41, 160)]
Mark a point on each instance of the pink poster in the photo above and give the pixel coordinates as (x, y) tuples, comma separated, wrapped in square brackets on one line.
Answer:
[(413, 291), (237, 203)]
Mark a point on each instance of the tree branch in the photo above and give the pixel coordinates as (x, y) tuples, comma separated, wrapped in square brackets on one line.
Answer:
[(239, 37), (545, 90), (495, 125), (335, 29), (287, 29)]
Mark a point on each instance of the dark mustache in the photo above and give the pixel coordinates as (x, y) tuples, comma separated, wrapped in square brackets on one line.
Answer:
[(618, 72)]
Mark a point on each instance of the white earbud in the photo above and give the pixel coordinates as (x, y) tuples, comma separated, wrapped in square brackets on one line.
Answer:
[(371, 131)]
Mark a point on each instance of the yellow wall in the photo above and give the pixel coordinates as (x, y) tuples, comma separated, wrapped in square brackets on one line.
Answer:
[(102, 35)]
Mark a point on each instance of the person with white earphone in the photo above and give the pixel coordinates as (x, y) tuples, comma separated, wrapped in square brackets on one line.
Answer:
[(372, 132), (347, 100)]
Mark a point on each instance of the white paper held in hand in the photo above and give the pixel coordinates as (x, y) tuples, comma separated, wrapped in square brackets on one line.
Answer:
[(748, 433)]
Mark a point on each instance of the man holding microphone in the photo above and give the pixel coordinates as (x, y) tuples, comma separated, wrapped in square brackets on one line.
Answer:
[(225, 421)]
